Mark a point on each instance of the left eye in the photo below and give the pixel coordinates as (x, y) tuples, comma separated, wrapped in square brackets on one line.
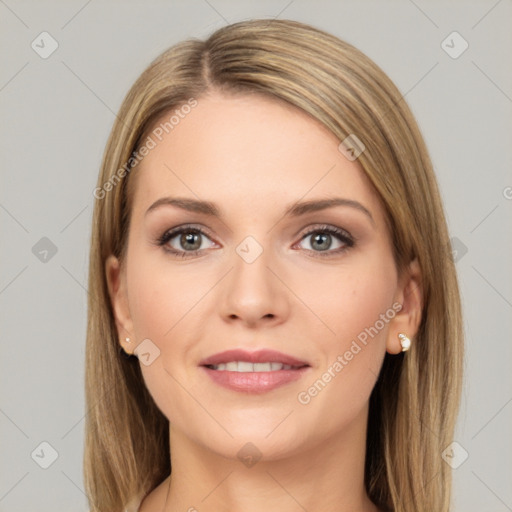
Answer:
[(327, 239)]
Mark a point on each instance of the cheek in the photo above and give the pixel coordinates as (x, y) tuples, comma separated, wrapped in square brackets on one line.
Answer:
[(152, 308), (356, 303), (159, 297), (162, 303), (351, 298)]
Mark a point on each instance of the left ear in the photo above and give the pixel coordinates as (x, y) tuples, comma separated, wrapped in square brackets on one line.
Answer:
[(410, 295)]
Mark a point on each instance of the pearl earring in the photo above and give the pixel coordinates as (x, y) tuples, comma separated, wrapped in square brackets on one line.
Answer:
[(405, 342), (127, 340)]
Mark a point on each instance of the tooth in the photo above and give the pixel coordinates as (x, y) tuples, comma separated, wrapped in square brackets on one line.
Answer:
[(262, 367), (244, 366)]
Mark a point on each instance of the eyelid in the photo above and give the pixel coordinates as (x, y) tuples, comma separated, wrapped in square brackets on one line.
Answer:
[(326, 227), (184, 227)]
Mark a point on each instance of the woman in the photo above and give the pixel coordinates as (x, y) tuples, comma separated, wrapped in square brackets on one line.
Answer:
[(274, 311)]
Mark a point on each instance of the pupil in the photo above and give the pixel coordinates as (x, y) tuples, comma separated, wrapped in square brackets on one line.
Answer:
[(322, 238)]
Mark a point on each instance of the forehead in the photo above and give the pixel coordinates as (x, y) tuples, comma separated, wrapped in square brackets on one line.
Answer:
[(247, 152)]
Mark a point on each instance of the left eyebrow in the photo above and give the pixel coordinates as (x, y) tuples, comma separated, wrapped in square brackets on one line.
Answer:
[(294, 210), (304, 207)]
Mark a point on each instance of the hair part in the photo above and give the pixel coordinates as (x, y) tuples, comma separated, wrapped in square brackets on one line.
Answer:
[(414, 405)]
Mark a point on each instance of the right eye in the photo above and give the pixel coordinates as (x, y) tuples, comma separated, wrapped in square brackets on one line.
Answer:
[(184, 241)]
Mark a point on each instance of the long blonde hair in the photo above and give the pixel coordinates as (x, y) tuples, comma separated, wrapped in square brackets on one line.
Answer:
[(414, 405)]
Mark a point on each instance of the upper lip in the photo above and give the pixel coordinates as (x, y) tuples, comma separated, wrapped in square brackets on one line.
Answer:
[(258, 356)]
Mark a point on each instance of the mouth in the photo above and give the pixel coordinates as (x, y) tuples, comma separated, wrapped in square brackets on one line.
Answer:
[(253, 372), (247, 367)]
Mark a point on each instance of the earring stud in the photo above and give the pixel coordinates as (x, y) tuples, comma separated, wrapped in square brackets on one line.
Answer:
[(127, 340), (405, 342)]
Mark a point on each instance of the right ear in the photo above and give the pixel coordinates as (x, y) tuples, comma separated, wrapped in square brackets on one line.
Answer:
[(116, 282)]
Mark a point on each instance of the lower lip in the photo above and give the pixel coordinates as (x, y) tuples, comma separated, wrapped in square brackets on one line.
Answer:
[(254, 382)]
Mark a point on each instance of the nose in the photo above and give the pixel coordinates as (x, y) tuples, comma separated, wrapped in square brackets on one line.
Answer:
[(253, 293)]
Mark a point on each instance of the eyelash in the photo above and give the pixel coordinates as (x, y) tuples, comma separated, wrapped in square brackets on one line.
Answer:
[(341, 234)]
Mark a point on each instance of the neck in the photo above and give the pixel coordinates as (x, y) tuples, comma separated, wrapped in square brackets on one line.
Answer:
[(325, 477)]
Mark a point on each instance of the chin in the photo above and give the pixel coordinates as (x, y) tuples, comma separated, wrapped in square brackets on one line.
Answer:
[(257, 440)]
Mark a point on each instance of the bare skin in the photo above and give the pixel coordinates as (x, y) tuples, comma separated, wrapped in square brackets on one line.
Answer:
[(305, 295)]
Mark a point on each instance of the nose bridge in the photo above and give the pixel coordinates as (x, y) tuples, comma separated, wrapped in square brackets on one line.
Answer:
[(251, 274), (252, 291)]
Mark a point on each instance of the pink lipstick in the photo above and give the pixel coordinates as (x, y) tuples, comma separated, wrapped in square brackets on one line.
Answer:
[(253, 372)]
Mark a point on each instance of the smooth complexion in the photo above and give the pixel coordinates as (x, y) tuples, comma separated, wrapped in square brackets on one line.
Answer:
[(308, 295)]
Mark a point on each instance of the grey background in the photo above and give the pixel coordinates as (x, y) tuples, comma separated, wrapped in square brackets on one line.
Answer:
[(57, 113)]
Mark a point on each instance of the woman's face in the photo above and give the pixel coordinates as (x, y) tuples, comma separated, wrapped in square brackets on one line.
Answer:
[(315, 288)]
